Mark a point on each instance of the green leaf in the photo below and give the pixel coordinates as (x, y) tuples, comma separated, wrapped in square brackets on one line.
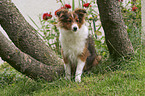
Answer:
[(99, 33), (104, 53), (99, 28)]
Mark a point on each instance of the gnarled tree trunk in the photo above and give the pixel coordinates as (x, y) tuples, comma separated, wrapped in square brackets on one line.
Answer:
[(116, 35), (24, 36), (25, 63)]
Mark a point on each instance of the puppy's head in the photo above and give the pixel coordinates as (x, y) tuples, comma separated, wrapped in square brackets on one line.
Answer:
[(71, 20)]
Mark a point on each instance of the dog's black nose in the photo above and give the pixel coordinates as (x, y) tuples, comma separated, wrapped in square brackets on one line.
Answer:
[(74, 28)]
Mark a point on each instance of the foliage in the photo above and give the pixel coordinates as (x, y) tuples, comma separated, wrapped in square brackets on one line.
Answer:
[(132, 20), (8, 75), (50, 34)]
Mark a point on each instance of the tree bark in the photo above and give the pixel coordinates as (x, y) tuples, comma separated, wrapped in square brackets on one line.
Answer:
[(24, 36), (116, 35), (25, 63), (143, 22)]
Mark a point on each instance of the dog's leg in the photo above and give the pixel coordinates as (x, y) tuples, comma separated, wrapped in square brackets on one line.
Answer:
[(67, 71), (79, 70)]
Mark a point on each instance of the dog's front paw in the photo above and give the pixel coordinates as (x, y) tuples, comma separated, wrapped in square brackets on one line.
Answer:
[(77, 79)]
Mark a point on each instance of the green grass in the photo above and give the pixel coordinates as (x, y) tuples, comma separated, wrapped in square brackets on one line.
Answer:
[(127, 80)]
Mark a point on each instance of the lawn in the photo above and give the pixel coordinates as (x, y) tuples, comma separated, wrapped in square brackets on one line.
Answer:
[(125, 79)]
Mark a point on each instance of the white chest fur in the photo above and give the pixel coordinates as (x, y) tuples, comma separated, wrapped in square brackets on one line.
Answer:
[(73, 43)]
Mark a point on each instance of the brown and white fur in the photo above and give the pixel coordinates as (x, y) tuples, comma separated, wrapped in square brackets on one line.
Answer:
[(77, 45)]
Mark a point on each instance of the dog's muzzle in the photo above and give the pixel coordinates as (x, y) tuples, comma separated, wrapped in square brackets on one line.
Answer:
[(74, 27)]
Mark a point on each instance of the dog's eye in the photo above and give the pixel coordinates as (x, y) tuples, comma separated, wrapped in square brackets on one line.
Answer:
[(62, 16), (77, 20), (69, 20)]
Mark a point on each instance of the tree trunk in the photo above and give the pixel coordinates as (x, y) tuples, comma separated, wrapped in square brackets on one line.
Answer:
[(25, 63), (24, 36), (116, 35), (143, 22)]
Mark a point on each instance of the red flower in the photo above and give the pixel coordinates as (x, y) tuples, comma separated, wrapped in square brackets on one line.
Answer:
[(86, 4), (67, 6), (47, 16), (134, 8), (120, 0)]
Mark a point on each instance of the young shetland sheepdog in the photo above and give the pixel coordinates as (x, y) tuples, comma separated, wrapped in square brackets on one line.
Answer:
[(78, 48)]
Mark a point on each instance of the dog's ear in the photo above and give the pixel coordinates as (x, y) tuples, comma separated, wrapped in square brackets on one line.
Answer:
[(61, 12), (80, 12)]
